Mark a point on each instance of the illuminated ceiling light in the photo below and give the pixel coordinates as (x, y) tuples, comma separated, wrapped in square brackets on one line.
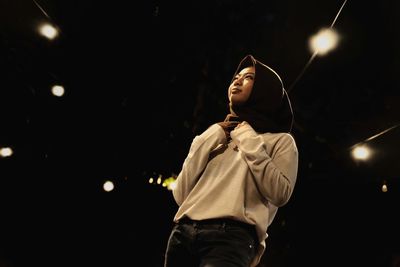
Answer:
[(384, 187), (48, 31), (108, 186), (6, 152), (361, 152), (57, 90), (159, 179), (324, 41)]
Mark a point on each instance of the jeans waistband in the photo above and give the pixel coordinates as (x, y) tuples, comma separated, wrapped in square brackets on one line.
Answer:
[(220, 221)]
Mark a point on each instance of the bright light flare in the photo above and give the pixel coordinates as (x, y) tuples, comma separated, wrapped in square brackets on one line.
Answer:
[(48, 31), (170, 183), (324, 41), (108, 186), (384, 188), (361, 153), (5, 152), (58, 90)]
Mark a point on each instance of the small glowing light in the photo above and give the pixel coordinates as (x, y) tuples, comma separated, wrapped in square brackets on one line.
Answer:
[(170, 183), (48, 31), (6, 152), (324, 41), (361, 152), (151, 180), (159, 179), (58, 90), (384, 187), (108, 186)]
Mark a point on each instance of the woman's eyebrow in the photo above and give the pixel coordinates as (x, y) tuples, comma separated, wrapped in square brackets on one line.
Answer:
[(238, 75), (246, 73)]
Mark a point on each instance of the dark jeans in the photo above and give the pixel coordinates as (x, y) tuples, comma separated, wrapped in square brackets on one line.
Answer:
[(211, 243)]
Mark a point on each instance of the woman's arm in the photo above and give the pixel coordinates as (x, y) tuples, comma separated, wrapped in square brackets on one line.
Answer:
[(197, 160), (275, 177)]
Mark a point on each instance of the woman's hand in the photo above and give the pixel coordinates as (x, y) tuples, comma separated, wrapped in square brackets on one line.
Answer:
[(228, 126)]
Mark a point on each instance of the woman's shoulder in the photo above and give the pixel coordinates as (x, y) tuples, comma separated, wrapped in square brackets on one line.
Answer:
[(284, 138)]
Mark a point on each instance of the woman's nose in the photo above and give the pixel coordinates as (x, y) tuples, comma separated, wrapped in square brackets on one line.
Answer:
[(238, 81)]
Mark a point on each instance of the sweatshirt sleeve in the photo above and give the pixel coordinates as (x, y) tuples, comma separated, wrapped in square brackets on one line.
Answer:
[(196, 161), (275, 177)]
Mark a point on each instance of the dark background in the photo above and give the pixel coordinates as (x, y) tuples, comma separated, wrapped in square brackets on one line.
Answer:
[(142, 79)]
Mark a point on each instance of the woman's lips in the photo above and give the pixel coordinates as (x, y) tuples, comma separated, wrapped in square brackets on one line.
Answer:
[(235, 90)]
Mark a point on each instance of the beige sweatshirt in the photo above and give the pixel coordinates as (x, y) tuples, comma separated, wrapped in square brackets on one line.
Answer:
[(246, 179)]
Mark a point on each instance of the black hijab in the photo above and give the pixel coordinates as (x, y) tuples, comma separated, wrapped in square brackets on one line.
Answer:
[(268, 108)]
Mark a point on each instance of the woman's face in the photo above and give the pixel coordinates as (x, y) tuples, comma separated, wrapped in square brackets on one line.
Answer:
[(241, 86)]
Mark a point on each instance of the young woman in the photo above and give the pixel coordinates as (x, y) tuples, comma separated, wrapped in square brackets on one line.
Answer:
[(236, 175)]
